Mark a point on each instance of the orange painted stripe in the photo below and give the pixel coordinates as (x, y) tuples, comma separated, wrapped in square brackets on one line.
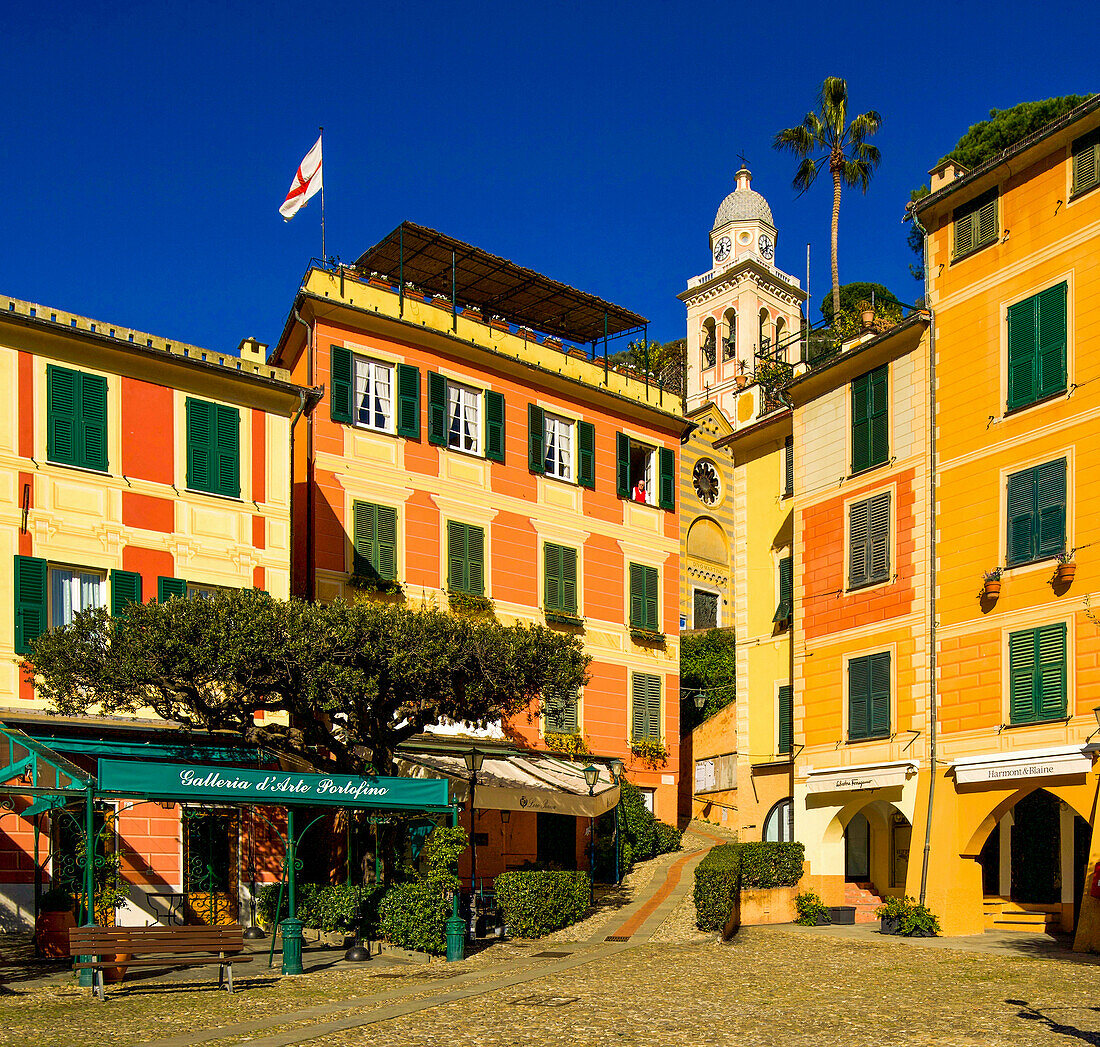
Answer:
[(671, 880)]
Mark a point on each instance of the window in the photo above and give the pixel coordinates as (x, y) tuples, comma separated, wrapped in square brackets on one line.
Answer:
[(786, 719), (72, 591), (1037, 347), (213, 448), (374, 541), (560, 588), (644, 605), (1037, 674), (362, 393), (645, 707), (560, 713), (870, 419), (869, 697), (198, 591), (455, 418), (550, 447), (634, 472), (465, 558), (976, 224), (765, 341), (373, 394), (648, 796), (729, 343), (1036, 513), (788, 467), (708, 349), (784, 612), (869, 541), (76, 418), (705, 611), (558, 438), (1086, 162), (779, 824)]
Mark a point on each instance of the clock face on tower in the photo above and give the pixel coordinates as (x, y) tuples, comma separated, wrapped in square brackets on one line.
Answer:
[(722, 249), (705, 480), (767, 248)]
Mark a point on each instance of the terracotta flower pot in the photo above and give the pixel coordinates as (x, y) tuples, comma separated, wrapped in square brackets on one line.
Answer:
[(867, 318), (1064, 572), (993, 588), (742, 380), (116, 974), (51, 931)]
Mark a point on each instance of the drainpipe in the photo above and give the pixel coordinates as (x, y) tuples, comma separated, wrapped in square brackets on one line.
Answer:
[(309, 461), (931, 561)]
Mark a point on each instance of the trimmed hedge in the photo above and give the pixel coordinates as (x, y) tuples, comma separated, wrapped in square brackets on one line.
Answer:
[(716, 878), (412, 914), (538, 903), (328, 907), (767, 865)]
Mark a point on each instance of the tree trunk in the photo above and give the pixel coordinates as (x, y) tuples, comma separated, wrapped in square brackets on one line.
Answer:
[(836, 228)]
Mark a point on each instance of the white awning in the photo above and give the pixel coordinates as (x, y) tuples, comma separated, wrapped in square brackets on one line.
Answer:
[(1030, 763), (861, 778), (523, 781)]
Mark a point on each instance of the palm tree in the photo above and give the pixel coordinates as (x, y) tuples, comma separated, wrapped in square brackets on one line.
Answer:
[(828, 134)]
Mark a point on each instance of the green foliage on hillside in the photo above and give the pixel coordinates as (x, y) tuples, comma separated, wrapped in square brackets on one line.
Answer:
[(708, 662)]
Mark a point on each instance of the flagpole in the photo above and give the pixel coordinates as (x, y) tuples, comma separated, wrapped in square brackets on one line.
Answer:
[(320, 138)]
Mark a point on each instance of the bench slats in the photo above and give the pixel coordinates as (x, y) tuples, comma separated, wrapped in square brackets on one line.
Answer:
[(166, 962), (99, 941)]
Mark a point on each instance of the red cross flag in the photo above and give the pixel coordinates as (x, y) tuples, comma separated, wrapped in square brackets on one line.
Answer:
[(307, 182)]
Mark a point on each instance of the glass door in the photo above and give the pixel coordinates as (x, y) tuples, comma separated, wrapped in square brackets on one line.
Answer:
[(211, 866)]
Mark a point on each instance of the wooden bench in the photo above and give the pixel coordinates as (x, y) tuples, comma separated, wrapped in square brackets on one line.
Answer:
[(95, 948)]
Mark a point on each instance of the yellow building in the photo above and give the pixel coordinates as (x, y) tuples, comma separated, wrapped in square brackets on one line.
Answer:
[(1010, 254)]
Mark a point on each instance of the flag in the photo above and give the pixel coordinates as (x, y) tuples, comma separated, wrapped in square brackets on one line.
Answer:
[(307, 182)]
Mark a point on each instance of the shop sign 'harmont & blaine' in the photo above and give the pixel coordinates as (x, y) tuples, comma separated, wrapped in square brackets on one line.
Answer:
[(1032, 763), (198, 783)]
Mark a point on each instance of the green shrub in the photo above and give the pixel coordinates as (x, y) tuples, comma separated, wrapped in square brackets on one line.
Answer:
[(667, 837), (538, 903), (810, 908), (636, 823), (328, 907), (767, 865), (716, 878), (909, 917), (411, 915)]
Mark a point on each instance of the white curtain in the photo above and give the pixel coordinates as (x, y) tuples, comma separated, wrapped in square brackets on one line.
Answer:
[(71, 592)]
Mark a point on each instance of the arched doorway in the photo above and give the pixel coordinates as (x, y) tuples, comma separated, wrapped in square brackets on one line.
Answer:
[(857, 849)]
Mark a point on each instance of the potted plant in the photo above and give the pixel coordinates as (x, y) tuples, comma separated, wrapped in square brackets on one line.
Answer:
[(51, 925), (919, 922), (891, 913), (866, 315), (111, 893), (811, 910), (992, 583), (1064, 567)]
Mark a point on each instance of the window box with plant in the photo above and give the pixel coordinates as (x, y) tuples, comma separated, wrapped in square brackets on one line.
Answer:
[(650, 750)]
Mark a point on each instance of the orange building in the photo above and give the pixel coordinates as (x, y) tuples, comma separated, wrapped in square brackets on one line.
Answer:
[(132, 468), (470, 452)]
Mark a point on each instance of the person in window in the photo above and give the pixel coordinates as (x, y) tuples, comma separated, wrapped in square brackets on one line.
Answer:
[(639, 491)]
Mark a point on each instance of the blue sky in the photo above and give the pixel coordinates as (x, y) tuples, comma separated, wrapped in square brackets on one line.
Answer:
[(148, 146)]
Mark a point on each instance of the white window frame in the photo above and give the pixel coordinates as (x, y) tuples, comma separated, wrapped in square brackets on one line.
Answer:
[(650, 472), (649, 799), (365, 376), (76, 576), (464, 406), (557, 430)]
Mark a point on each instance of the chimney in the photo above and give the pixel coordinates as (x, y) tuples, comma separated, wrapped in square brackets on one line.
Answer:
[(252, 351), (946, 171)]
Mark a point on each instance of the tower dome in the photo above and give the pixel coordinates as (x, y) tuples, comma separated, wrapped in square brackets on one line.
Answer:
[(743, 204)]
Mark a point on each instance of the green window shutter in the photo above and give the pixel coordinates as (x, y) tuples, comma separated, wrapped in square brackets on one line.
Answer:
[(784, 611), (788, 467), (92, 435), (1086, 162), (652, 602), (976, 224), (859, 698), (861, 423), (1021, 539), (964, 234), (62, 421), (201, 451), (552, 557), (457, 571), (786, 718), (653, 707), (879, 693), (622, 465), (859, 559), (437, 409), (169, 587), (1023, 353), (494, 426), (386, 538), (1050, 647), (1022, 666), (569, 580), (408, 401), (879, 414), (475, 552), (341, 393), (586, 455), (1050, 506), (561, 712), (30, 601), (667, 458), (536, 422), (1051, 327), (228, 456), (364, 539), (125, 589), (987, 226), (637, 596), (637, 707), (878, 539)]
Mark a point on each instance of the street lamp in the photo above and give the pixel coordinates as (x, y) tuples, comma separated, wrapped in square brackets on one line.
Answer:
[(473, 760), (1096, 713), (591, 776), (616, 769), (700, 700)]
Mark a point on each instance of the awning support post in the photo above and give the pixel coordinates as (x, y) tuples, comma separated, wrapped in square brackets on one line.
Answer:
[(292, 926), (455, 929), (86, 974)]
